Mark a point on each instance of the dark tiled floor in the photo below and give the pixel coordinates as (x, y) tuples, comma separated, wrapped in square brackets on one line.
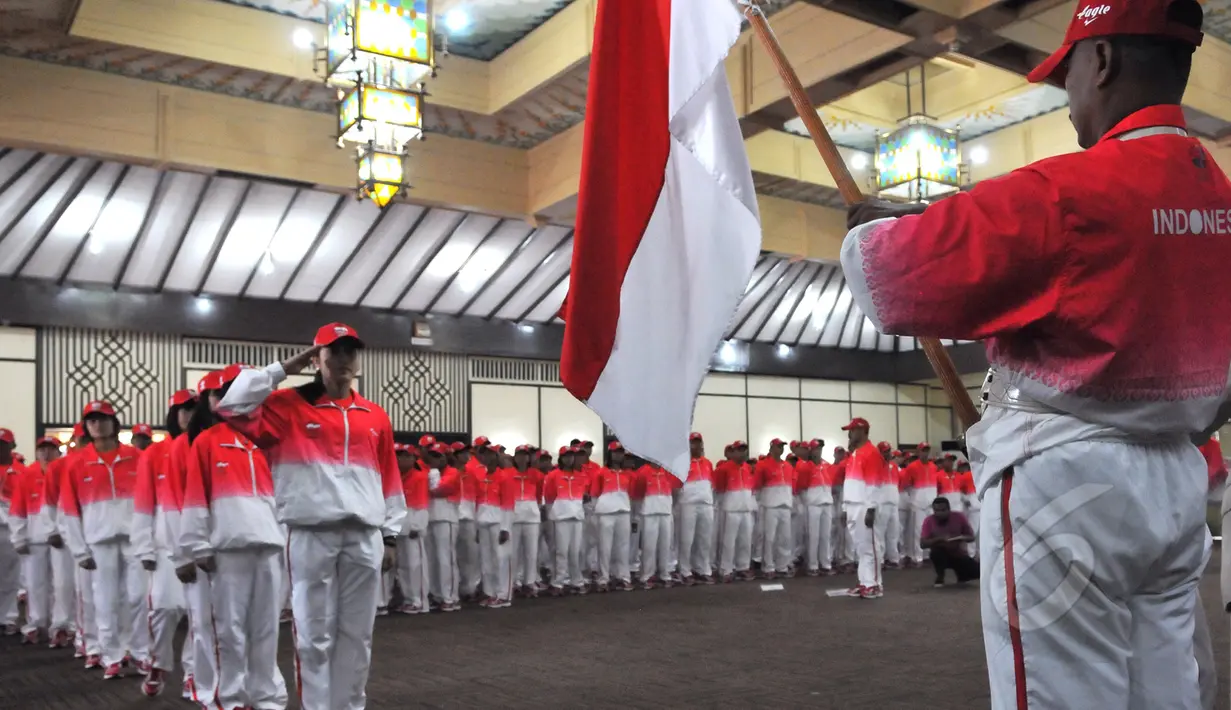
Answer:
[(702, 647)]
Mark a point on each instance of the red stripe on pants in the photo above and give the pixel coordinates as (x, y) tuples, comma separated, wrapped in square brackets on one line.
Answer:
[(1010, 586)]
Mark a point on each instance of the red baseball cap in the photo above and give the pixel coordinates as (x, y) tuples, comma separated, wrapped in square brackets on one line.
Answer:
[(7, 437), (459, 446), (333, 332), (839, 448), (98, 406), (1105, 18), (566, 450), (212, 381), (615, 446), (78, 430), (950, 456), (181, 397), (526, 449), (897, 452), (857, 423), (924, 445), (695, 436), (230, 372), (427, 440), (815, 443), (739, 445), (482, 441), (440, 447), (777, 442), (884, 446), (47, 441), (142, 430)]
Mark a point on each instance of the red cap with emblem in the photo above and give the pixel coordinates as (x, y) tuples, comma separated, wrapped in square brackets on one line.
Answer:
[(695, 436), (615, 446), (98, 406), (47, 441), (924, 446), (525, 449), (230, 372), (440, 447), (884, 446), (458, 446), (739, 445), (857, 423), (142, 430), (181, 397), (1106, 18), (427, 441), (7, 437), (777, 442), (212, 381), (333, 332), (482, 441)]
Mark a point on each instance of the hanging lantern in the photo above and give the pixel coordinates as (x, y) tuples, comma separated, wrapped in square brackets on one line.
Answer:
[(382, 174)]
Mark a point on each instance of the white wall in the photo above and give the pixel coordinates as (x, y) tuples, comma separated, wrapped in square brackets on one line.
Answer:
[(506, 414), (563, 419), (19, 373)]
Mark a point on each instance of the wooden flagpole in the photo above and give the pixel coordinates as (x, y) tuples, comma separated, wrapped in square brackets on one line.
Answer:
[(936, 353)]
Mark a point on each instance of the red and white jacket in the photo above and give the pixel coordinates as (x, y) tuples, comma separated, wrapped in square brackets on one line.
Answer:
[(32, 512), (158, 498), (922, 476), (889, 487), (9, 473), (496, 499), (448, 485), (865, 477), (332, 461), (610, 489), (699, 488), (527, 487), (653, 489), (815, 483), (474, 476), (96, 498), (228, 496), (736, 485), (775, 481), (416, 488), (563, 492)]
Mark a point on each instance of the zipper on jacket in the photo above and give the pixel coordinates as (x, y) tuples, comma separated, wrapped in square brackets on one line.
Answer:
[(251, 469), (345, 436)]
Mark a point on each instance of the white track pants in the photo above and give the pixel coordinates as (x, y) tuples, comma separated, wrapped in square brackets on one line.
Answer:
[(892, 552), (494, 560), (469, 566), (973, 516), (167, 606), (869, 545), (120, 602), (86, 622), (1086, 567), (758, 535), (777, 544), (567, 537), (912, 526), (247, 598), (36, 571), (656, 547), (614, 537), (525, 553), (799, 520), (696, 530), (841, 537), (818, 525), (737, 529), (716, 536), (335, 575), (442, 551), (10, 577), (412, 571), (590, 540), (201, 634)]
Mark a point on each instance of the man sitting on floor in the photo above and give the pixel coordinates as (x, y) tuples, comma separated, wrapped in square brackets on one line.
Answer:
[(944, 535)]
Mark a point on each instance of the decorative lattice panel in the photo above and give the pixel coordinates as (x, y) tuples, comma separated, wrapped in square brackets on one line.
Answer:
[(134, 371), (209, 354), (421, 391), (500, 369)]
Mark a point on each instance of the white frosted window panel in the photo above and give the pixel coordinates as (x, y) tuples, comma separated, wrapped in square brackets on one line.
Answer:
[(769, 419), (720, 420), (912, 425), (564, 418), (882, 420), (834, 390), (773, 386), (723, 384), (912, 394), (506, 414), (824, 420), (873, 392), (940, 425)]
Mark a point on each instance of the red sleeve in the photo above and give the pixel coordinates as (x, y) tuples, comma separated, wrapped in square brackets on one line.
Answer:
[(508, 489), (18, 507), (450, 483), (144, 496), (549, 488), (55, 471), (197, 488), (68, 490), (978, 264), (390, 475), (268, 423), (596, 485), (636, 490)]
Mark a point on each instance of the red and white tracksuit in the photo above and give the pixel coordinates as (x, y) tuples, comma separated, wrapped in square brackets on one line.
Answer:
[(495, 516), (892, 541), (922, 475), (862, 490), (776, 488), (229, 514), (653, 490), (339, 492), (157, 499), (96, 503), (610, 489), (85, 638), (442, 549), (843, 549), (48, 571), (563, 491), (799, 510), (10, 563), (527, 489), (736, 483), (412, 565), (469, 566), (696, 520), (816, 489), (198, 594), (906, 514)]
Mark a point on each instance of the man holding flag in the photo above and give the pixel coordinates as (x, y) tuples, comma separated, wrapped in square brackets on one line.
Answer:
[(667, 226)]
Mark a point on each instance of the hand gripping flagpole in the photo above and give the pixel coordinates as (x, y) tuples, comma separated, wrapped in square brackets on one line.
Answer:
[(936, 353)]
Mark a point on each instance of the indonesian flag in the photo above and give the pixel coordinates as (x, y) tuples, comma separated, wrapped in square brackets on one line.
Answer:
[(667, 227)]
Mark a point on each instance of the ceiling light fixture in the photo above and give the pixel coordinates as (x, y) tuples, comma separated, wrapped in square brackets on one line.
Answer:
[(919, 160), (978, 155), (303, 39), (859, 161), (457, 20)]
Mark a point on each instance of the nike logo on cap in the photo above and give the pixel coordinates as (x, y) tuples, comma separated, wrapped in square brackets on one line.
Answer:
[(1090, 13)]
